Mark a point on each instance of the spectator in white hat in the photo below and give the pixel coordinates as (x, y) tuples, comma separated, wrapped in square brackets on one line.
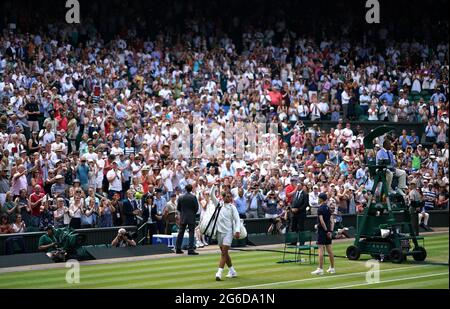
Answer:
[(314, 200)]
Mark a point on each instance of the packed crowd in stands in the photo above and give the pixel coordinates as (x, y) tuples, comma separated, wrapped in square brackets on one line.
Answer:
[(87, 125)]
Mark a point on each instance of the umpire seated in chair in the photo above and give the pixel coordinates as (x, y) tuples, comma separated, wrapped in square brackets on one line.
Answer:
[(384, 155)]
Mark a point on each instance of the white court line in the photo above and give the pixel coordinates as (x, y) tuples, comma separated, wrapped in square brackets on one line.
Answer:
[(324, 277), (390, 280)]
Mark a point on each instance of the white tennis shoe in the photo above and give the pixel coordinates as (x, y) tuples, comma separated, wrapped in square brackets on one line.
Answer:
[(318, 271), (331, 270), (232, 274), (218, 276)]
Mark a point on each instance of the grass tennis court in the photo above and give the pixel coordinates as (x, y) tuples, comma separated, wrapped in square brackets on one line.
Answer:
[(256, 269)]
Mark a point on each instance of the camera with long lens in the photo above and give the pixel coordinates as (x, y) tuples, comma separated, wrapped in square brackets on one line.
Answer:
[(122, 233), (130, 235), (69, 241)]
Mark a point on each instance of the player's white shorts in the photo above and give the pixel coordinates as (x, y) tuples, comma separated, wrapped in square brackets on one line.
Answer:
[(224, 239)]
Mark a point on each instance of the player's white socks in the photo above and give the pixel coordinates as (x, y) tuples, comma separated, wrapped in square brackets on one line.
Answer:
[(232, 270)]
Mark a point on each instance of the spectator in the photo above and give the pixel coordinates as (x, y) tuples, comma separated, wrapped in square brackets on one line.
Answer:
[(19, 225), (413, 139), (271, 205), (442, 202), (88, 214), (415, 198), (429, 193), (4, 186), (115, 179), (170, 215), (60, 213), (159, 204), (255, 201), (431, 131), (106, 212), (19, 181), (130, 209), (82, 174), (46, 211), (76, 207), (373, 112), (314, 200), (5, 226), (241, 204), (344, 166), (9, 208), (58, 187), (321, 151), (35, 203), (119, 114)]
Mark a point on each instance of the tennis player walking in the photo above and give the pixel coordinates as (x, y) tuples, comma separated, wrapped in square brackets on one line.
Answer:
[(228, 225)]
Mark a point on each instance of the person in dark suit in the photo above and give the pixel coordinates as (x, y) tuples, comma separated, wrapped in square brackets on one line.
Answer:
[(187, 206), (148, 214), (130, 209), (300, 203), (147, 203)]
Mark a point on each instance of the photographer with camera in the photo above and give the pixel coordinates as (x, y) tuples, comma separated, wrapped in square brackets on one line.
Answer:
[(123, 239), (48, 242)]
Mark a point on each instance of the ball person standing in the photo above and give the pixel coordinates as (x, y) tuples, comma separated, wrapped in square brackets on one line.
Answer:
[(228, 225), (187, 206), (324, 235)]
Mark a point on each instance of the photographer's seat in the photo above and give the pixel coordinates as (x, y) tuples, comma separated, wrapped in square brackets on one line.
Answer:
[(290, 238), (305, 237), (305, 240)]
